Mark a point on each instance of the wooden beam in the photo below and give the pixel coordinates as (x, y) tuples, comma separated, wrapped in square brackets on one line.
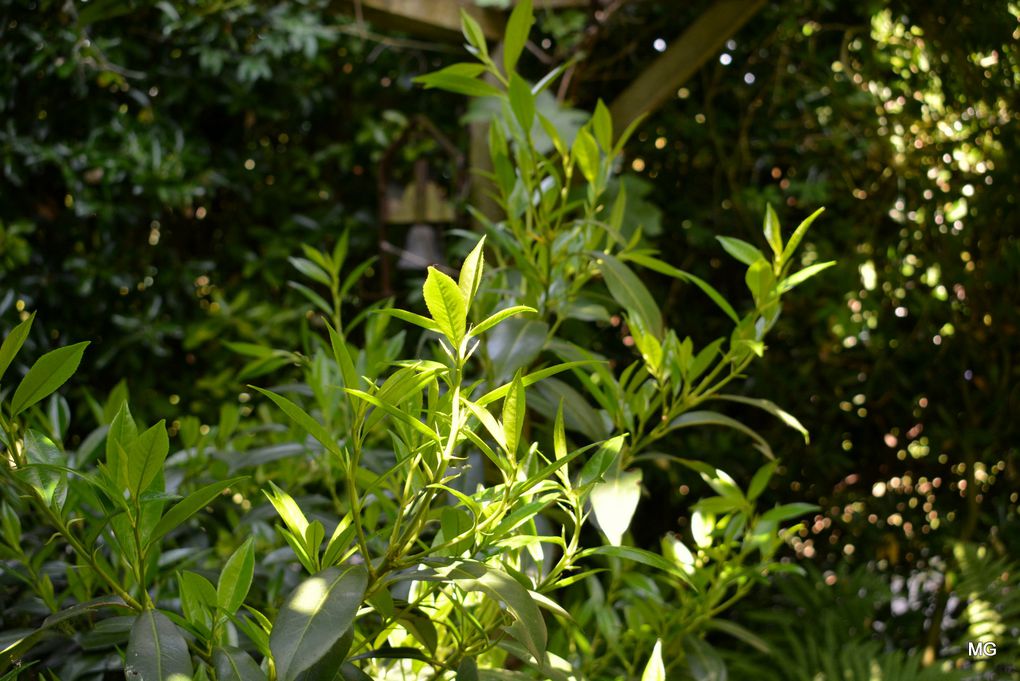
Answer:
[(437, 19), (659, 82)]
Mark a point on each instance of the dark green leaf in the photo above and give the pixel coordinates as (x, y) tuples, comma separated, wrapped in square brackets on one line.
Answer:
[(632, 295), (233, 664), (188, 506), (157, 650), (315, 616)]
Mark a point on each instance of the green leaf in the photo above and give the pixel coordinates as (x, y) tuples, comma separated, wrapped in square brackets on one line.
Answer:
[(741, 250), (412, 318), (310, 270), (636, 555), (514, 412), (585, 152), (303, 419), (665, 268), (602, 126), (342, 357), (529, 626), (235, 579), (517, 29), (713, 418), (47, 374), (473, 33), (627, 289), (559, 434), (315, 616), (604, 457), (51, 484), (788, 512), (233, 664), (803, 275), (157, 650), (797, 235), (614, 502), (761, 480), (522, 102), (770, 407), (471, 272), (531, 379), (446, 304), (15, 339), (288, 509), (189, 506), (396, 413), (655, 670), (761, 281), (497, 317), (468, 670), (145, 457), (739, 632), (330, 666), (461, 79), (773, 234)]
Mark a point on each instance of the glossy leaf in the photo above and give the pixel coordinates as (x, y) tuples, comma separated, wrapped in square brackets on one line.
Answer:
[(772, 408), (47, 374), (157, 651), (471, 271), (803, 275), (315, 616), (233, 664), (235, 578), (513, 415), (614, 502), (13, 342), (798, 234), (741, 250), (497, 317), (189, 506), (712, 418), (446, 304), (145, 456), (632, 295)]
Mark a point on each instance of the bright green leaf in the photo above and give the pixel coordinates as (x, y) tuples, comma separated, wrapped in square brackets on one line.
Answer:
[(47, 374)]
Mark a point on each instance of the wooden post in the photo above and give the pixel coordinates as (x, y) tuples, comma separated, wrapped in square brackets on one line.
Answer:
[(696, 45)]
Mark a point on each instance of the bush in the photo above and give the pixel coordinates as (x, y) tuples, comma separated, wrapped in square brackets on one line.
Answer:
[(394, 524)]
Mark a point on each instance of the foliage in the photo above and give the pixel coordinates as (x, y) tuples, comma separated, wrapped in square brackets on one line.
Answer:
[(419, 532)]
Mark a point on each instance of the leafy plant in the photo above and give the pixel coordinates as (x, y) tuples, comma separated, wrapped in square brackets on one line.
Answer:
[(434, 511)]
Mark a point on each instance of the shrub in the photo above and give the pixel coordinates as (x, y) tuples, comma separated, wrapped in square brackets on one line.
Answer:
[(421, 532)]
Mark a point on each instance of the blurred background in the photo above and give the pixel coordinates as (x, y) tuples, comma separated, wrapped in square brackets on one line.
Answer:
[(161, 162)]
